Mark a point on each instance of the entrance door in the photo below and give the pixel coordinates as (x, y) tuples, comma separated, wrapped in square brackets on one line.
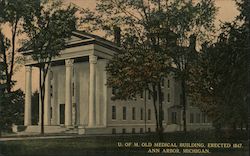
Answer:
[(62, 114)]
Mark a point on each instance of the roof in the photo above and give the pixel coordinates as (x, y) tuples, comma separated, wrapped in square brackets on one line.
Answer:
[(79, 38)]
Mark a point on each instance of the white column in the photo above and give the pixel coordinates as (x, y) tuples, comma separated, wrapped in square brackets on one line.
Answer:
[(47, 100), (28, 93), (54, 99), (105, 96), (92, 83), (68, 92), (40, 101)]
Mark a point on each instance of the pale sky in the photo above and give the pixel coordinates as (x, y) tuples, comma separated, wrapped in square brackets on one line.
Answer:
[(227, 12)]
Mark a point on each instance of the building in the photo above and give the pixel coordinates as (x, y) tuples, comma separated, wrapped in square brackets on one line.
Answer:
[(78, 101)]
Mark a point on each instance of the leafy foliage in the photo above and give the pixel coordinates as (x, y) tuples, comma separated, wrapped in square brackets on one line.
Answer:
[(47, 28), (11, 103), (12, 13), (11, 16), (220, 80), (11, 109), (155, 37)]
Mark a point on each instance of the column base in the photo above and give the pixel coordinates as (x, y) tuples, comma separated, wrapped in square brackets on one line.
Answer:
[(70, 127)]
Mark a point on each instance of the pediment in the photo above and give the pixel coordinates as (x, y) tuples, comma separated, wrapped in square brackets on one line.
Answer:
[(79, 38)]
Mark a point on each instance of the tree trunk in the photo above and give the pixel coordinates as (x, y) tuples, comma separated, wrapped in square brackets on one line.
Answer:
[(145, 111), (10, 74), (155, 109), (160, 113), (41, 81), (43, 73), (183, 87), (160, 108)]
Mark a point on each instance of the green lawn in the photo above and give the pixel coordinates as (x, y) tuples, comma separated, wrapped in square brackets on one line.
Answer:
[(107, 145)]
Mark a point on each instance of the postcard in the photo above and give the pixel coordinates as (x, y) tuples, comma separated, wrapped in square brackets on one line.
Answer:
[(122, 77)]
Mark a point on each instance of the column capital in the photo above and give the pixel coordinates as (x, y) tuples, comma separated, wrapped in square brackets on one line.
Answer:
[(92, 59), (28, 68), (69, 62)]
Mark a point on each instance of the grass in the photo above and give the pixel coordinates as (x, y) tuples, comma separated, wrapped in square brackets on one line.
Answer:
[(107, 145)]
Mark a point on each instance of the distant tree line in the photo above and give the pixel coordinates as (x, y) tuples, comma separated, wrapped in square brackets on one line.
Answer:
[(220, 80)]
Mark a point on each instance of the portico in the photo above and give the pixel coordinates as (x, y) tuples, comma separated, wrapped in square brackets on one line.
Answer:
[(75, 85)]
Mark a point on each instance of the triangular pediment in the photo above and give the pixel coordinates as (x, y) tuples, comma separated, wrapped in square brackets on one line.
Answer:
[(74, 39), (79, 38)]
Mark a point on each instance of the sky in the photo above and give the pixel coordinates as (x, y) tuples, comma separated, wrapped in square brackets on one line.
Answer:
[(227, 12)]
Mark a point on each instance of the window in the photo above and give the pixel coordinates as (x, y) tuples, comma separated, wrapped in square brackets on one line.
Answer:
[(113, 90), (141, 94), (123, 130), (51, 111), (133, 130), (156, 94), (141, 113), (162, 82), (149, 129), (191, 118), (113, 112), (163, 115), (198, 118), (149, 95), (174, 117), (203, 118), (168, 97), (181, 100), (149, 114), (162, 96), (113, 131), (168, 83), (124, 113), (73, 89), (208, 119), (133, 113), (141, 130), (51, 90)]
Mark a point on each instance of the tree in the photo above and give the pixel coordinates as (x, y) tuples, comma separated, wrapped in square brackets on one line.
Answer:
[(220, 79), (152, 32), (133, 72), (2, 85), (11, 109), (47, 29), (11, 103), (13, 13), (2, 80)]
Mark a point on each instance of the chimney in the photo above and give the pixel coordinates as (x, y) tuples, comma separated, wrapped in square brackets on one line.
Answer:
[(117, 35), (192, 39)]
